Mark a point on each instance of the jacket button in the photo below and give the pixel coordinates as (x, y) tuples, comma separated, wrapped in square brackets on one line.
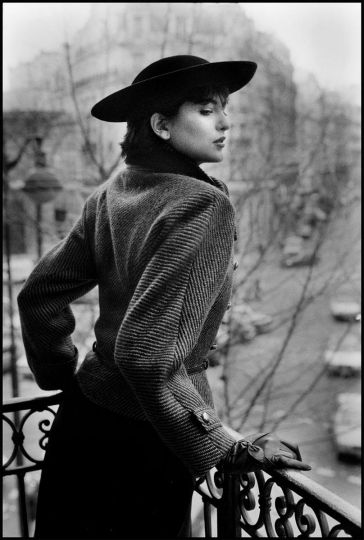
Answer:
[(205, 417), (213, 347), (236, 264)]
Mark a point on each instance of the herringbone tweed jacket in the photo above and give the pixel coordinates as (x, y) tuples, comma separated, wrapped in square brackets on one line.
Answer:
[(158, 244)]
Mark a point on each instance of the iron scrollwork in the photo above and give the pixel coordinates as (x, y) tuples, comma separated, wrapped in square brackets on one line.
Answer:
[(282, 512), (20, 454), (274, 505)]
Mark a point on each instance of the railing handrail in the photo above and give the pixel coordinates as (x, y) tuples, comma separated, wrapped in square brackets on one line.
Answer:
[(34, 402), (328, 501)]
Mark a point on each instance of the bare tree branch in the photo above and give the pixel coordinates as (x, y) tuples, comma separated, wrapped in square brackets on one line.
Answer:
[(103, 172), (310, 387), (86, 139), (166, 30), (285, 343)]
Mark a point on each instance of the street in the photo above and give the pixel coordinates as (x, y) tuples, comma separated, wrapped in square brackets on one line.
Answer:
[(283, 403)]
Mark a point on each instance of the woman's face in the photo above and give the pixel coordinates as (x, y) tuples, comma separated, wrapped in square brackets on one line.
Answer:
[(199, 130)]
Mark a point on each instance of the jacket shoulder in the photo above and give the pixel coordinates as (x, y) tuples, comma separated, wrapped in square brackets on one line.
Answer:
[(187, 186)]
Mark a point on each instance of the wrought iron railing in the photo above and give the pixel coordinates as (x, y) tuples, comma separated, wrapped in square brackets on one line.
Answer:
[(270, 504), (24, 454), (278, 503)]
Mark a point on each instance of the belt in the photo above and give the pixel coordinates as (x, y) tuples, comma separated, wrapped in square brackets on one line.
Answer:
[(199, 368), (193, 369)]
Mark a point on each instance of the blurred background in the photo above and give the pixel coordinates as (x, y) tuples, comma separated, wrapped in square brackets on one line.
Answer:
[(288, 354)]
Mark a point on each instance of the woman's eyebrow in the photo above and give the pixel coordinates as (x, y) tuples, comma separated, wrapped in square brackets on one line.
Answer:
[(213, 101), (208, 100)]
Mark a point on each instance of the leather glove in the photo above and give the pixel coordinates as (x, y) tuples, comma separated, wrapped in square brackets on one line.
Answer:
[(261, 449)]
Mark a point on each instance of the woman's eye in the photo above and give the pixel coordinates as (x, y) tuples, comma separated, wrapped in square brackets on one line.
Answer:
[(206, 111)]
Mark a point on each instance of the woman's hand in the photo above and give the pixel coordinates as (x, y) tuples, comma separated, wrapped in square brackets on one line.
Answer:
[(262, 449)]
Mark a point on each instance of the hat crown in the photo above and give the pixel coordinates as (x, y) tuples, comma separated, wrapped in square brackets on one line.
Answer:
[(168, 65)]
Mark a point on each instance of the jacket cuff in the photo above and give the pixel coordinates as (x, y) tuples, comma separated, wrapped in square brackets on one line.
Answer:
[(210, 425)]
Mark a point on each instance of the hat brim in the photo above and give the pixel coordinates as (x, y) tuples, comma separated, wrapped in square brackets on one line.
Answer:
[(117, 107)]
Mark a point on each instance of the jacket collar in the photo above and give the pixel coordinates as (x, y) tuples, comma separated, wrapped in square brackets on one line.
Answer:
[(165, 159)]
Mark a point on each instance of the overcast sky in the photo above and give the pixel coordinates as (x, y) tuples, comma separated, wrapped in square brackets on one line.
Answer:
[(324, 38)]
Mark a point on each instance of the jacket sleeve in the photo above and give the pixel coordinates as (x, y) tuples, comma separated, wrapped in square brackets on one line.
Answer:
[(163, 322), (65, 273)]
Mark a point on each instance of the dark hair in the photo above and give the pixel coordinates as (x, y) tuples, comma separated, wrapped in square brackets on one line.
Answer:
[(140, 138)]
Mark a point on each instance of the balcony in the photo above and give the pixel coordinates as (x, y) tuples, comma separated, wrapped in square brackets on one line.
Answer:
[(272, 504)]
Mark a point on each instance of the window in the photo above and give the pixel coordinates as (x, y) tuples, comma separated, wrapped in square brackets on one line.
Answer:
[(156, 23), (123, 22), (180, 25), (138, 26)]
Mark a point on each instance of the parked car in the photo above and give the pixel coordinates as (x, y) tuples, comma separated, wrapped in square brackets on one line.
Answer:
[(305, 230), (295, 254), (243, 329), (343, 363), (313, 214), (301, 259), (246, 323), (346, 361), (261, 321), (240, 331), (293, 245), (344, 307), (347, 426)]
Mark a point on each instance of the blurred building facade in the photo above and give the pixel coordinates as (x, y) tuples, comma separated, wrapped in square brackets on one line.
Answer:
[(117, 41)]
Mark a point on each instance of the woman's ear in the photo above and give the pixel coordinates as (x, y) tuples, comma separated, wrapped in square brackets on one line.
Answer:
[(159, 125)]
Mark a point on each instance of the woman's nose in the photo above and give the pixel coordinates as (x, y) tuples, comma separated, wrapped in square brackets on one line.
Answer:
[(224, 123)]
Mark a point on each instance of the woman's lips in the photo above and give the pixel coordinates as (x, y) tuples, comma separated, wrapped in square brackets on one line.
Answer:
[(220, 142)]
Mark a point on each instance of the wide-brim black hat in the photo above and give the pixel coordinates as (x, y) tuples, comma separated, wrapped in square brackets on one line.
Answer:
[(171, 75)]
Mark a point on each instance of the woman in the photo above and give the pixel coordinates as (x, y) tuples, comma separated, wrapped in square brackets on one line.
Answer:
[(137, 424)]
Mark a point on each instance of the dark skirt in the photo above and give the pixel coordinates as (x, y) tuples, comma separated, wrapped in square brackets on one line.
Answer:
[(107, 476)]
